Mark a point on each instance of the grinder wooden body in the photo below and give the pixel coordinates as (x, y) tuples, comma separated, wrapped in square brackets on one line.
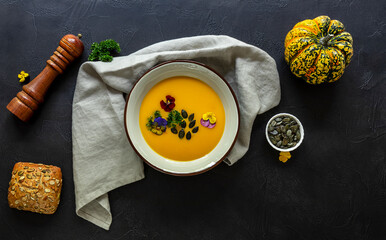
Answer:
[(27, 101)]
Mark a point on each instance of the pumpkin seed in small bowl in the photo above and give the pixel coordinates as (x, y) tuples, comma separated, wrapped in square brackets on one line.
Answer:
[(284, 132)]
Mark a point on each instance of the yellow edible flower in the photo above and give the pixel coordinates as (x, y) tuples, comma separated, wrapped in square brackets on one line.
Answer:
[(209, 116), (22, 76), (284, 156)]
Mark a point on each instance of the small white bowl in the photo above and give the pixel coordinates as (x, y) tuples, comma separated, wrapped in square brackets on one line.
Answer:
[(300, 128), (191, 69)]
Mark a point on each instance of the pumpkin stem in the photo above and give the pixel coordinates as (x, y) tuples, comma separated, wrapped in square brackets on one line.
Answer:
[(324, 40)]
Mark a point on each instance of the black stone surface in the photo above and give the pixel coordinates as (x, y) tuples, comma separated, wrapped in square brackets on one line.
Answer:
[(334, 186)]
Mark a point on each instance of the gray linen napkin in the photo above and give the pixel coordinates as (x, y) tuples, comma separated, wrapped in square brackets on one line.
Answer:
[(102, 156)]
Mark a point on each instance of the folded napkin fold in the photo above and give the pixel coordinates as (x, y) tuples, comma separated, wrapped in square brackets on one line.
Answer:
[(104, 160)]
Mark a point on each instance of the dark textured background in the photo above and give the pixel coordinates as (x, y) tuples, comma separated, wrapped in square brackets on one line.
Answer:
[(334, 187)]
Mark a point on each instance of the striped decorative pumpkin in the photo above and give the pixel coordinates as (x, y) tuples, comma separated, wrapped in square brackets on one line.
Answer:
[(318, 50)]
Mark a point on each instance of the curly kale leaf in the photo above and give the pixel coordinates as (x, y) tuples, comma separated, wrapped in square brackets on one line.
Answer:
[(102, 51)]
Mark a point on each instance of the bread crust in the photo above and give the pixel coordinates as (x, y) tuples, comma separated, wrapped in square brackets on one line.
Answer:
[(35, 187)]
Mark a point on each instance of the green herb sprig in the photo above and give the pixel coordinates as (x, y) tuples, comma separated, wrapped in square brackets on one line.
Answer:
[(174, 118), (102, 51), (157, 114), (150, 119)]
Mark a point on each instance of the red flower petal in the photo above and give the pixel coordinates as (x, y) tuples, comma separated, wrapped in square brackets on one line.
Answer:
[(163, 104), (170, 98), (171, 105)]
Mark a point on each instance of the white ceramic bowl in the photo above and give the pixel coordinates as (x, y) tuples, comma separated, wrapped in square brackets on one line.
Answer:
[(190, 69), (300, 128)]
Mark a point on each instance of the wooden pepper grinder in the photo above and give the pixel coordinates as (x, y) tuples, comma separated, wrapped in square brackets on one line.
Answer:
[(27, 101)]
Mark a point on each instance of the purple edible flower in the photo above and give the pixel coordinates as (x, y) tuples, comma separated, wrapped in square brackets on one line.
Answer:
[(160, 121), (206, 123)]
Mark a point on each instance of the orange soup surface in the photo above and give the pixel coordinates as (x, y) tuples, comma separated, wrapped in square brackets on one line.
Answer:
[(193, 96)]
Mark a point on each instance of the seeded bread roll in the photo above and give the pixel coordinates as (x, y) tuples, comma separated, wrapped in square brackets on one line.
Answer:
[(35, 187)]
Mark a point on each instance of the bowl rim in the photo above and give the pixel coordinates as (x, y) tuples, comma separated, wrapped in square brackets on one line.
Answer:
[(234, 98), (300, 128)]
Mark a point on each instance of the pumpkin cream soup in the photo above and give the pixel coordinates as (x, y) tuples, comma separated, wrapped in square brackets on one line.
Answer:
[(182, 118)]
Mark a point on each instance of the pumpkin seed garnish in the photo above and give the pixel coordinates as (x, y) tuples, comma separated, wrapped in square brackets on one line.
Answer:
[(181, 134), (174, 130), (183, 124), (184, 113), (195, 129), (274, 132), (294, 128), (192, 123), (188, 135), (191, 117), (289, 133)]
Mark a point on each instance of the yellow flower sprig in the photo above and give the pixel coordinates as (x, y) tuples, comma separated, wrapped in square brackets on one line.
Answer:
[(284, 156), (23, 76)]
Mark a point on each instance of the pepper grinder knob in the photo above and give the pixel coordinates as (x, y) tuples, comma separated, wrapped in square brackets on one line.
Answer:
[(27, 101)]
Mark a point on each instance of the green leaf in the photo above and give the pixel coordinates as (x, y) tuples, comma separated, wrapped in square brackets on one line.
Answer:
[(174, 118), (103, 51), (157, 114)]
